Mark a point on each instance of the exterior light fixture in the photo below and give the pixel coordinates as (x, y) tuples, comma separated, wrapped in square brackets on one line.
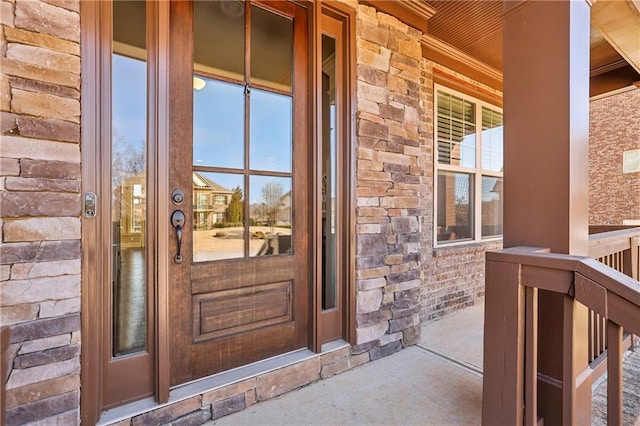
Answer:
[(198, 83)]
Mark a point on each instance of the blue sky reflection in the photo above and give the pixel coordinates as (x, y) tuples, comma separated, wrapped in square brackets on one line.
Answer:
[(129, 101), (218, 125), (270, 131)]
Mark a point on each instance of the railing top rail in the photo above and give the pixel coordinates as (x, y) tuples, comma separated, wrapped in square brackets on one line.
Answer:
[(614, 235), (532, 256), (606, 229), (612, 280)]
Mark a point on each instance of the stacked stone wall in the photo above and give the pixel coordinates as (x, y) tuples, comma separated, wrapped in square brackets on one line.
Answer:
[(452, 277), (614, 127), (388, 171), (40, 208)]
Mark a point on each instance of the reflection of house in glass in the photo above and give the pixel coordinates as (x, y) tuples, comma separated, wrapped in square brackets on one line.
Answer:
[(284, 217), (210, 202), (129, 211)]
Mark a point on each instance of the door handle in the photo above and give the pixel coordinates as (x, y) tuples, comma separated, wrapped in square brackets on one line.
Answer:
[(177, 220)]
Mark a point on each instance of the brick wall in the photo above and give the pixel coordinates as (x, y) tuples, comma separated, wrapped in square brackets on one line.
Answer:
[(388, 174), (40, 208), (452, 277), (614, 127)]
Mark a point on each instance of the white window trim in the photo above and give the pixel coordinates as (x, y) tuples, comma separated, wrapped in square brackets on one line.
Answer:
[(477, 172)]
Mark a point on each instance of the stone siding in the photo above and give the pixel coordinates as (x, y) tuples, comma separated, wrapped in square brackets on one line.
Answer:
[(614, 127), (388, 174), (40, 208), (215, 403)]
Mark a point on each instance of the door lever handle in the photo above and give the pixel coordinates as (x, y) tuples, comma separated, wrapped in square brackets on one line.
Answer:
[(177, 220)]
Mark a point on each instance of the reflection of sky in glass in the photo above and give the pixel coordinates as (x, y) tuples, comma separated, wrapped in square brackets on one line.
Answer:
[(256, 183), (492, 151), (218, 125), (129, 100), (468, 151), (270, 133)]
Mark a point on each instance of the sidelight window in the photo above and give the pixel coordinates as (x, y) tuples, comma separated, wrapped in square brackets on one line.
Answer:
[(129, 177)]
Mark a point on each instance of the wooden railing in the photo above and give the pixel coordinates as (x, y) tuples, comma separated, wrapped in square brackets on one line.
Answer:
[(618, 248), (513, 278)]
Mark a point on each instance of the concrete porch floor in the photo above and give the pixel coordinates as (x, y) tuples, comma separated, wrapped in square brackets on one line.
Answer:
[(437, 382)]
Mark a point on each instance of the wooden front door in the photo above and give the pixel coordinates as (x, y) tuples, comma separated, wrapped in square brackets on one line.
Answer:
[(239, 171)]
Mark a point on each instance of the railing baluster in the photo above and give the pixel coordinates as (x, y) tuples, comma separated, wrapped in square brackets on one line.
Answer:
[(635, 258), (590, 333), (614, 374), (597, 326), (603, 333), (531, 357)]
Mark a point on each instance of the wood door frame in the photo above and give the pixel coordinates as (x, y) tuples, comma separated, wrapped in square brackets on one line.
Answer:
[(91, 74), (94, 35), (95, 123), (345, 174)]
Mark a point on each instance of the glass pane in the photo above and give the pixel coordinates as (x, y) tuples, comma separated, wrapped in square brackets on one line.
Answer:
[(492, 126), (455, 206), (270, 131), (271, 49), (492, 205), (218, 124), (329, 225), (270, 217), (218, 216), (218, 38), (129, 178), (456, 131)]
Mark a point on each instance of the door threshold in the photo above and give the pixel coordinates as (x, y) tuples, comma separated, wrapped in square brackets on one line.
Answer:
[(206, 384)]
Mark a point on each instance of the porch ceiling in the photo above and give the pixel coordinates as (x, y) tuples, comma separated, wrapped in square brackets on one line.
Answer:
[(475, 28)]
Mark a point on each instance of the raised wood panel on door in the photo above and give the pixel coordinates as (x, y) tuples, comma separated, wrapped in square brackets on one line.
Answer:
[(228, 313)]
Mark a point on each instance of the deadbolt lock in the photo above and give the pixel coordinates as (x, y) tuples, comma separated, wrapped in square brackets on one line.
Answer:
[(177, 196), (89, 205)]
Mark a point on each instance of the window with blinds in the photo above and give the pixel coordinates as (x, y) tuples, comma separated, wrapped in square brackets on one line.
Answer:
[(469, 168)]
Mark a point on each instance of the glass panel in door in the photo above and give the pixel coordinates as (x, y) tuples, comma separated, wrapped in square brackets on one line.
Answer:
[(129, 178), (242, 135)]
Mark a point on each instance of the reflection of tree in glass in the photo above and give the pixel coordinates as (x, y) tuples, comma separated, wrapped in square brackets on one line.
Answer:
[(272, 193), (127, 160), (235, 211)]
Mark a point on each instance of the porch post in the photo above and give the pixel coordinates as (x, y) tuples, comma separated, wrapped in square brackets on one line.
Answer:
[(546, 175)]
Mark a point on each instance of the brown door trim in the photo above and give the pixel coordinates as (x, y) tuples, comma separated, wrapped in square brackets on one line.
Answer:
[(181, 97), (161, 81), (91, 74), (338, 21), (100, 374)]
